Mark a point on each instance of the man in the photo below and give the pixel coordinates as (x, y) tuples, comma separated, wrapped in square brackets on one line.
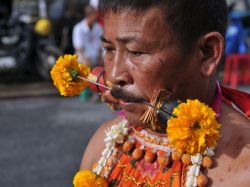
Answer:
[(86, 38), (177, 46), (87, 45)]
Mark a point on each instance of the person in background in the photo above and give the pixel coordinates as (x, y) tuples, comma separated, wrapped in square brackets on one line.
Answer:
[(86, 40), (94, 3), (87, 44)]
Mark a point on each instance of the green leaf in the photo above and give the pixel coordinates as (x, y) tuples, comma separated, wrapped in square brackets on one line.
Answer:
[(73, 73)]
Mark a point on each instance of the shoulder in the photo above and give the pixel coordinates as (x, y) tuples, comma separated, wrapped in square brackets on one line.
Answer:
[(234, 148), (235, 129), (80, 26), (234, 120), (232, 154), (96, 145), (98, 27)]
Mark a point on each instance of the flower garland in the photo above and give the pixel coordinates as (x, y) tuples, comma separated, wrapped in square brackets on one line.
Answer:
[(64, 74), (194, 129), (198, 132), (193, 172), (115, 135), (194, 132), (87, 178), (200, 155)]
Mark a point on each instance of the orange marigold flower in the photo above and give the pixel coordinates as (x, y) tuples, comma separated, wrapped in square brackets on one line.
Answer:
[(194, 129), (87, 178), (65, 82)]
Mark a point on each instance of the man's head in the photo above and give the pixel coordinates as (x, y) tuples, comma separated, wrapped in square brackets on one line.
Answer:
[(187, 19), (90, 14), (163, 44)]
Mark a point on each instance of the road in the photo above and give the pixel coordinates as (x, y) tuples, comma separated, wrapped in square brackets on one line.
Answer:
[(42, 139)]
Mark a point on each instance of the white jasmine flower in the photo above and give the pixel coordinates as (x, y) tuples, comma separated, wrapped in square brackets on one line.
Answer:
[(190, 181), (114, 135), (209, 152), (194, 170), (197, 159)]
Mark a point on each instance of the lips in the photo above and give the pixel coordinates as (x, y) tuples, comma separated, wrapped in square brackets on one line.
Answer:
[(123, 103), (127, 106)]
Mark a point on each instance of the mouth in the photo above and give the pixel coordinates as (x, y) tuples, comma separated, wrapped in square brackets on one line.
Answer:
[(123, 103), (125, 97), (126, 100), (128, 106)]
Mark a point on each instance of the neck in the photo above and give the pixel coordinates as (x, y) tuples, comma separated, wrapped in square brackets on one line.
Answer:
[(211, 93), (205, 93), (89, 23)]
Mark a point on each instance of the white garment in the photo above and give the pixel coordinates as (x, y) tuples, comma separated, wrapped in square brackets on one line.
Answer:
[(87, 39)]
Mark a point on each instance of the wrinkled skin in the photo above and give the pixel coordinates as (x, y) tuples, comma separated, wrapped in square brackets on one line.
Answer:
[(152, 59), (141, 55)]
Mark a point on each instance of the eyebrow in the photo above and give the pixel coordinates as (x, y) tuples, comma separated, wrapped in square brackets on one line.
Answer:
[(124, 40), (103, 39)]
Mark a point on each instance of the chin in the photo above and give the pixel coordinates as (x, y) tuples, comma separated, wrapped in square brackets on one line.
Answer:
[(133, 113), (134, 118)]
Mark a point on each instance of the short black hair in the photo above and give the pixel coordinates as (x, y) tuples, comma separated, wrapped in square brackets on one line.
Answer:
[(187, 19), (89, 10)]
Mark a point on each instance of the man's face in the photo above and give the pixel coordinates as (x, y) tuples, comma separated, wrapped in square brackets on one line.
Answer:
[(141, 56), (93, 17)]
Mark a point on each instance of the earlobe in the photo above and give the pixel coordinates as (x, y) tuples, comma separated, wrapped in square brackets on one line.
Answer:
[(212, 47), (208, 68)]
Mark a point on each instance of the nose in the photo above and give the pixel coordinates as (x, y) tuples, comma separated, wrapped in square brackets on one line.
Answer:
[(119, 75)]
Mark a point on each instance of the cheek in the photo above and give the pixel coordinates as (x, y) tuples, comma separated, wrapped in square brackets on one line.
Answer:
[(153, 76), (149, 77), (107, 67)]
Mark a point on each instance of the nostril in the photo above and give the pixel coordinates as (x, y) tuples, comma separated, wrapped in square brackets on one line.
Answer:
[(121, 79), (122, 83)]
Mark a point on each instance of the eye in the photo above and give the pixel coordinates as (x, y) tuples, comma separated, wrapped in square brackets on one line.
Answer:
[(135, 53), (107, 50)]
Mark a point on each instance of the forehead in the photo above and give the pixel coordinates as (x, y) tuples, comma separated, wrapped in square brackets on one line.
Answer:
[(149, 24)]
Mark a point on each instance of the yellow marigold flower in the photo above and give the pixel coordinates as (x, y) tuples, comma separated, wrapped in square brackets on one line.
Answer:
[(194, 129), (66, 83), (87, 178)]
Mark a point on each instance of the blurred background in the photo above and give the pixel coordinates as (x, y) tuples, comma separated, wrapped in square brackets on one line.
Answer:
[(43, 135)]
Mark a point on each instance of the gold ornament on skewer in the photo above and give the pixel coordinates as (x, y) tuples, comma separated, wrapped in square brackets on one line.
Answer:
[(150, 116)]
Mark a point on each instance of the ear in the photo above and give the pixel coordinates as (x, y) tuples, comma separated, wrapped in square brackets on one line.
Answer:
[(212, 48)]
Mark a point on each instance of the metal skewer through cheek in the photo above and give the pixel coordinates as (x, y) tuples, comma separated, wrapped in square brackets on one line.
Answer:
[(156, 109), (98, 84), (108, 88)]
